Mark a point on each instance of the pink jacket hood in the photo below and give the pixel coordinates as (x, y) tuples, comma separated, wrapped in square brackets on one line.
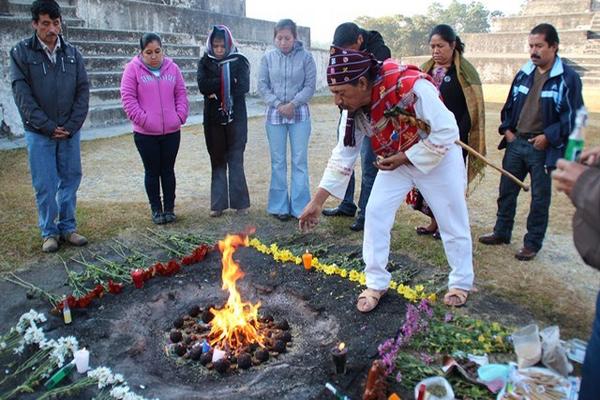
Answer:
[(155, 105)]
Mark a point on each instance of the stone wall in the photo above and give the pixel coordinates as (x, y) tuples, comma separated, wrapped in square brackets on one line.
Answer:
[(527, 22), (545, 7), (572, 42), (139, 16)]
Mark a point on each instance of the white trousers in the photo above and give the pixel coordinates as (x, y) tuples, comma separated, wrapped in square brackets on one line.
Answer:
[(444, 189)]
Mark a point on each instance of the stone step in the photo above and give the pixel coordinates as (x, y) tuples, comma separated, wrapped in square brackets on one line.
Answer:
[(117, 63), (21, 21), (585, 62), (106, 35), (102, 48), (24, 9), (526, 22), (591, 81), (103, 79), (109, 95), (107, 115)]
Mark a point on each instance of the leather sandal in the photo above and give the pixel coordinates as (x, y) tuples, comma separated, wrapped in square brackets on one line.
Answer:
[(456, 297), (422, 230), (369, 299)]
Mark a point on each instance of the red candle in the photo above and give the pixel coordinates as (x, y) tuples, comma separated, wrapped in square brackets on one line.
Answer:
[(307, 260), (137, 275)]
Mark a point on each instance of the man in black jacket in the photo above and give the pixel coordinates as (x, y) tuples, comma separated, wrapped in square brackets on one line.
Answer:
[(350, 36), (51, 90)]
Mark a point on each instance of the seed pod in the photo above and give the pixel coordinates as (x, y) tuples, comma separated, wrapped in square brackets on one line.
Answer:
[(178, 323), (261, 355), (222, 365), (194, 311), (175, 336)]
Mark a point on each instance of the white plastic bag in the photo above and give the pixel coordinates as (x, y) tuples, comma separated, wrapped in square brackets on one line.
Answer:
[(554, 355)]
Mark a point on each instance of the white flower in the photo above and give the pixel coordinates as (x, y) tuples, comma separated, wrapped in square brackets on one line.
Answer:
[(119, 392), (29, 319), (2, 345), (34, 334), (19, 349), (104, 376)]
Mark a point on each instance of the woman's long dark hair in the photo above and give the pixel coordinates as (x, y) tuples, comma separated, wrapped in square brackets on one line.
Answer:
[(448, 35)]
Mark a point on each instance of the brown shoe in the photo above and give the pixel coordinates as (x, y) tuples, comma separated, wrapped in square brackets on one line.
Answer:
[(75, 239), (525, 254), (492, 239), (50, 245)]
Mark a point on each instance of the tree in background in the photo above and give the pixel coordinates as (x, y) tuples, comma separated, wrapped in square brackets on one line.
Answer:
[(407, 36)]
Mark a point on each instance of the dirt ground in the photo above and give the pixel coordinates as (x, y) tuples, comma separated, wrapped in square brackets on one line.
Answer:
[(556, 287)]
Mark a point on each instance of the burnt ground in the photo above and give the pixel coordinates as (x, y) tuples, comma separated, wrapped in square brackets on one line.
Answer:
[(128, 332)]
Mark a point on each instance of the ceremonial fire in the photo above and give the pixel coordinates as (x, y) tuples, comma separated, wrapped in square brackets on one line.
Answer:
[(236, 324), (234, 336)]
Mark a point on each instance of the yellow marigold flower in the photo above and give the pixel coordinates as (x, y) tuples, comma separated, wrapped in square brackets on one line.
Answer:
[(343, 273), (363, 279), (432, 297), (481, 338), (419, 288), (393, 285)]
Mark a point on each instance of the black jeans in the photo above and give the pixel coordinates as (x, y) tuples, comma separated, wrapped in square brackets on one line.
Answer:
[(158, 154), (228, 187), (520, 159)]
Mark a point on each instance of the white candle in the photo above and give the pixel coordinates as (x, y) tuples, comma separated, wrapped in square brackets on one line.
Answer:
[(82, 360), (217, 355)]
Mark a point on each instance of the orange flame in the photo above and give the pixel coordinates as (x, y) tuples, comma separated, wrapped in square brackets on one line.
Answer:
[(236, 324)]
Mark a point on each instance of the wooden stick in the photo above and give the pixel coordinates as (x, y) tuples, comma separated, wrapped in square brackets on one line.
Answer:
[(504, 172)]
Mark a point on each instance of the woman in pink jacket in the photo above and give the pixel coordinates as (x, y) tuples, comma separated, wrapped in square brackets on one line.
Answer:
[(155, 100)]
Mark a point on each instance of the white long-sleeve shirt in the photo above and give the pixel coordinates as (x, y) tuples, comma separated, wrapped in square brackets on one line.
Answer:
[(424, 155)]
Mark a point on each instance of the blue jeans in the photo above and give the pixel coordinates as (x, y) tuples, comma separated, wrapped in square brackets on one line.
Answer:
[(590, 374), (55, 174), (369, 172), (521, 159), (299, 195)]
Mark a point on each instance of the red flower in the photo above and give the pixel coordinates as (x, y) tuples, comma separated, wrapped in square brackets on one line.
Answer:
[(86, 300), (160, 268), (188, 260), (137, 276), (200, 252), (173, 267), (98, 291), (114, 288), (71, 301)]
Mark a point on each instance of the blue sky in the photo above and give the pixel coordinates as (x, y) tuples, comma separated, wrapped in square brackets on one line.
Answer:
[(323, 16)]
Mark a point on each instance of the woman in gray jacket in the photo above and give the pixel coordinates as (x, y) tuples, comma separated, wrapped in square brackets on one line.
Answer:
[(286, 82)]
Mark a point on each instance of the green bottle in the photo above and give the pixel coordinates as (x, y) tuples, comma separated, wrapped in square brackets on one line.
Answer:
[(59, 375), (576, 142)]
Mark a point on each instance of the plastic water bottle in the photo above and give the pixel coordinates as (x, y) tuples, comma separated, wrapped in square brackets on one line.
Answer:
[(576, 142)]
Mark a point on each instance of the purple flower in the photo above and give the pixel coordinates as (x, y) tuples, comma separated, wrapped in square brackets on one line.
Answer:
[(425, 307), (426, 358), (448, 317), (399, 377)]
